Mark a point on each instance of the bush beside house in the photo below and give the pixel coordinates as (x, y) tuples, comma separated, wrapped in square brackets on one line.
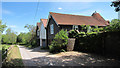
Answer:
[(59, 42)]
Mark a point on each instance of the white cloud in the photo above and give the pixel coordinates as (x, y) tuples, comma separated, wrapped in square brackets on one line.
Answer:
[(59, 8), (6, 11)]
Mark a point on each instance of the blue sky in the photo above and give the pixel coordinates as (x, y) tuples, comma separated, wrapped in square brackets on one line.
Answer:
[(17, 14)]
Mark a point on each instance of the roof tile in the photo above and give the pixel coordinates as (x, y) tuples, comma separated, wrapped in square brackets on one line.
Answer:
[(69, 19), (44, 22)]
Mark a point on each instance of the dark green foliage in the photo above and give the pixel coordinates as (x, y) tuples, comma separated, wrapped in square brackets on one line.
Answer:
[(81, 34), (114, 26), (116, 4), (60, 41), (23, 38), (89, 43), (2, 28), (32, 39), (93, 41), (4, 48), (28, 39), (72, 34), (85, 30), (10, 37), (88, 39)]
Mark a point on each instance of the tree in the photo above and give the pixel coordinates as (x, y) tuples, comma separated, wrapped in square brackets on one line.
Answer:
[(10, 37), (31, 28), (114, 26), (2, 28), (116, 4), (24, 38), (31, 35)]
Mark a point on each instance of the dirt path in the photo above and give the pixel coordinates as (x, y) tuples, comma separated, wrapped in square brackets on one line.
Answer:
[(37, 57), (29, 54)]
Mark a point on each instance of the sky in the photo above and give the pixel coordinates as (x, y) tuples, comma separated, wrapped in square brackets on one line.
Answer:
[(17, 14)]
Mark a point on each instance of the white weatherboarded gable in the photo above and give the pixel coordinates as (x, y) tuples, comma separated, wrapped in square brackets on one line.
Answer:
[(42, 33)]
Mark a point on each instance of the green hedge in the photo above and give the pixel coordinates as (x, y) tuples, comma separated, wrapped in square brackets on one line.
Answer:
[(90, 43)]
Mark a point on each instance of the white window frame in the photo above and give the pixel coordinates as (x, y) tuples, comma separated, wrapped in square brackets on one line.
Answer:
[(51, 29)]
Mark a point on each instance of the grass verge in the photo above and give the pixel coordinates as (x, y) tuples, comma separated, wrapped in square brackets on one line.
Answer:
[(14, 58), (3, 48)]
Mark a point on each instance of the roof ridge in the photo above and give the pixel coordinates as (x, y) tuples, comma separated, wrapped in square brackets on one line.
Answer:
[(76, 19), (68, 14)]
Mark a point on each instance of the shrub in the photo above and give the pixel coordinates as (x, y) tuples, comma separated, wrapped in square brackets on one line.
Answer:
[(60, 41), (82, 34), (73, 34), (91, 42), (88, 39), (114, 26)]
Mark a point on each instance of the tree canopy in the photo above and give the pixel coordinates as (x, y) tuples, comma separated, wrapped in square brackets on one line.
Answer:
[(10, 37), (116, 4), (114, 25), (2, 28)]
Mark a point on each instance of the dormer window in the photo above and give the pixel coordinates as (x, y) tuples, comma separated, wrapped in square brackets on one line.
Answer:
[(52, 29)]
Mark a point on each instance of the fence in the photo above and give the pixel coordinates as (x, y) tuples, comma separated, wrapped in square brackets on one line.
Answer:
[(107, 43), (112, 43), (6, 53)]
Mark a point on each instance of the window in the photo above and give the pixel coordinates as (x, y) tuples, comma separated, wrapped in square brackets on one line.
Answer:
[(75, 27), (38, 32), (51, 29), (89, 29)]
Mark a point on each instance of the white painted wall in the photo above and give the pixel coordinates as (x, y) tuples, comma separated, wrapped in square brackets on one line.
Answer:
[(118, 14), (42, 33)]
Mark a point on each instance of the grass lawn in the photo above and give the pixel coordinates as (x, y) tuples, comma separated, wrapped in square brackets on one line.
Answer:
[(14, 58)]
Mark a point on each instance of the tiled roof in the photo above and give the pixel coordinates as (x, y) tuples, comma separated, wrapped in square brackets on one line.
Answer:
[(68, 19), (44, 22), (38, 24)]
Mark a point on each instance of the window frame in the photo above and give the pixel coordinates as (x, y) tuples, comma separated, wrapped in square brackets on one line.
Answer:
[(51, 29)]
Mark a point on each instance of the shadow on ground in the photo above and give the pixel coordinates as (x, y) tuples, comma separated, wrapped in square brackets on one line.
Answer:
[(37, 49), (82, 60)]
